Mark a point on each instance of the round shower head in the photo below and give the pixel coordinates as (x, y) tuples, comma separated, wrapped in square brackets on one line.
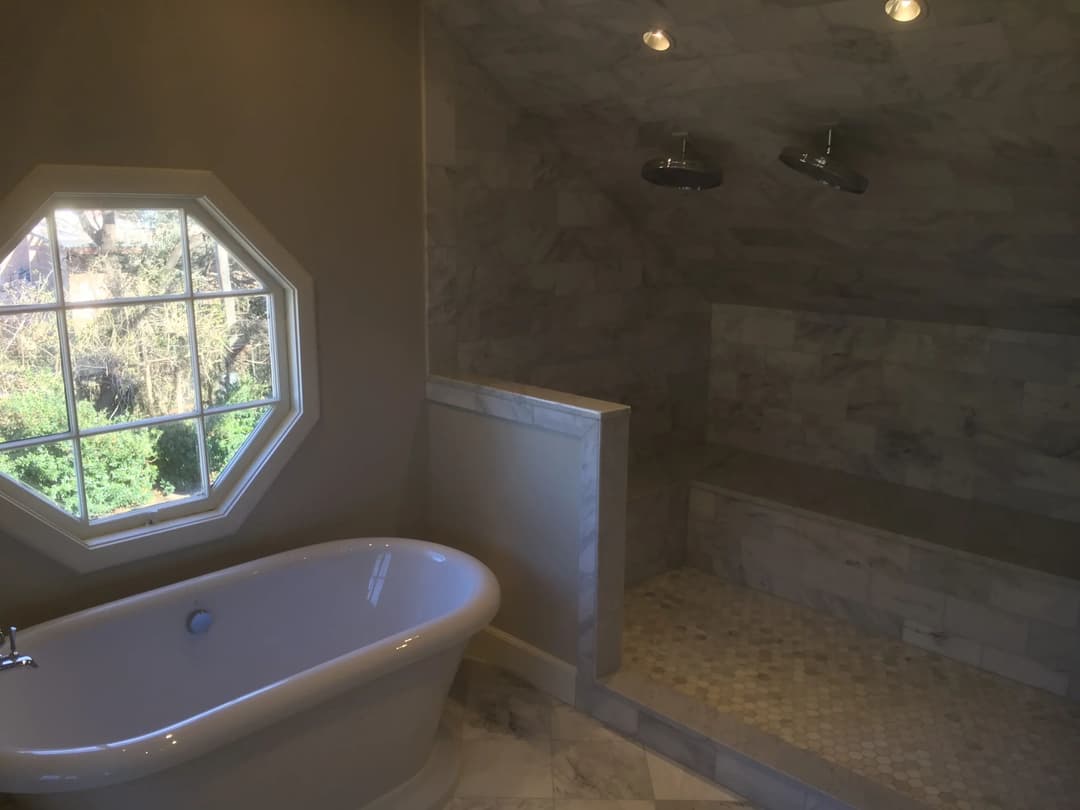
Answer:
[(822, 166), (682, 171), (688, 175)]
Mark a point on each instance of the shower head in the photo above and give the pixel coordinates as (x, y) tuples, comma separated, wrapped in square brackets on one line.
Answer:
[(822, 166), (683, 171)]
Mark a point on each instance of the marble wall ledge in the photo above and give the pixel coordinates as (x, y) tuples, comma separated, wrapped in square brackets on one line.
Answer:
[(985, 533), (524, 404)]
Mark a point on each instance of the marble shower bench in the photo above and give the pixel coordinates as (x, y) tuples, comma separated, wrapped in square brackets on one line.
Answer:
[(992, 587)]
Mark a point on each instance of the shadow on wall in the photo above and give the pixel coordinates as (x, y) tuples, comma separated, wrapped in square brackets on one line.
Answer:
[(95, 91)]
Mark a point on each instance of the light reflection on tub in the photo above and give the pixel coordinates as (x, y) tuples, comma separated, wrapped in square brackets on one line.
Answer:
[(332, 661)]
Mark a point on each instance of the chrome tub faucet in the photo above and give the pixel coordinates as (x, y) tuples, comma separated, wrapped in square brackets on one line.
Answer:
[(14, 659)]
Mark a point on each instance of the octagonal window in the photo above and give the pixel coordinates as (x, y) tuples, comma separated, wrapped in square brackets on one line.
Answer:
[(150, 367)]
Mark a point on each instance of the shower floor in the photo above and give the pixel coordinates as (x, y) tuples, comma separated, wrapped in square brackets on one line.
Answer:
[(944, 734)]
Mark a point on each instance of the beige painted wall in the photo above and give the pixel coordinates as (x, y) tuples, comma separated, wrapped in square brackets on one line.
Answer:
[(509, 494), (310, 113)]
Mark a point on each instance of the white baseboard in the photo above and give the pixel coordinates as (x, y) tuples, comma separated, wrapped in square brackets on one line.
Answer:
[(542, 670)]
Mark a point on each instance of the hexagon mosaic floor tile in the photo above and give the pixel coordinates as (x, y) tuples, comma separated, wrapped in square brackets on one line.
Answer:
[(945, 734)]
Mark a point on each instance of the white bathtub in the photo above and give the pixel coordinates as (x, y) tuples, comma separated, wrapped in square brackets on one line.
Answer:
[(319, 686)]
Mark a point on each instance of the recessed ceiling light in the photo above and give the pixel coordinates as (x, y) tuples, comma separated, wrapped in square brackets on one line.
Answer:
[(904, 10), (658, 39)]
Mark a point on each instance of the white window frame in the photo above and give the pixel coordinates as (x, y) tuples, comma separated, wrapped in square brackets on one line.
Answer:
[(86, 545)]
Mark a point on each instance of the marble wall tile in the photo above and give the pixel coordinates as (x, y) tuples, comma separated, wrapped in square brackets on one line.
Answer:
[(1059, 402), (984, 42), (836, 577), (854, 611), (702, 504), (1054, 647), (943, 643), (905, 599), (862, 548), (1025, 670), (647, 521), (962, 120), (1040, 364), (985, 624), (1036, 598), (713, 547), (536, 274), (657, 518), (768, 328), (972, 412)]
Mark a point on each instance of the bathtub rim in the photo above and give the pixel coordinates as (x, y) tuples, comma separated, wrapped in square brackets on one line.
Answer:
[(25, 771)]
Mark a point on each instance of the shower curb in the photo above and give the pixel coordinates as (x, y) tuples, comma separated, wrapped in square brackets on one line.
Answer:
[(768, 771)]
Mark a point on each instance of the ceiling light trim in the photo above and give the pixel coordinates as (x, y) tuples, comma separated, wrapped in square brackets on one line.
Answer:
[(906, 11), (658, 39)]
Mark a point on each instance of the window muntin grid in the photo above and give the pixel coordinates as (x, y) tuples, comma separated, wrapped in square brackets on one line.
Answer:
[(239, 284)]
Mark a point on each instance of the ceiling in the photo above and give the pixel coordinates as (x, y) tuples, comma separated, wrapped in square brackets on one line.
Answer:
[(967, 123)]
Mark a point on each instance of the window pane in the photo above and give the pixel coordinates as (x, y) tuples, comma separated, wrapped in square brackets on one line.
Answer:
[(47, 470), (32, 399), (209, 258), (139, 467), (131, 362), (26, 274), (177, 461), (226, 435), (109, 255), (234, 349)]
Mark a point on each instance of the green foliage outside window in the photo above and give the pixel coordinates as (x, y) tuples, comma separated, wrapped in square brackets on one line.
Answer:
[(225, 435), (127, 476), (131, 468), (130, 361)]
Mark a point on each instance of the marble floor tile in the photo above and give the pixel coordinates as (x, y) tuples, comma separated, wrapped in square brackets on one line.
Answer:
[(503, 767), (587, 769), (522, 750), (519, 713), (672, 782)]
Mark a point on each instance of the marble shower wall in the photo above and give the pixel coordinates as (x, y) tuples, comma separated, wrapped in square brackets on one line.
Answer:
[(537, 276), (966, 122), (978, 413)]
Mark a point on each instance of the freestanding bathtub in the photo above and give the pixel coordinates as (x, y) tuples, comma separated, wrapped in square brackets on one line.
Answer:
[(317, 681)]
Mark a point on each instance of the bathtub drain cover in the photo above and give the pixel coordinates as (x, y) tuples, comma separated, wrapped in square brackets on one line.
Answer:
[(199, 621)]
